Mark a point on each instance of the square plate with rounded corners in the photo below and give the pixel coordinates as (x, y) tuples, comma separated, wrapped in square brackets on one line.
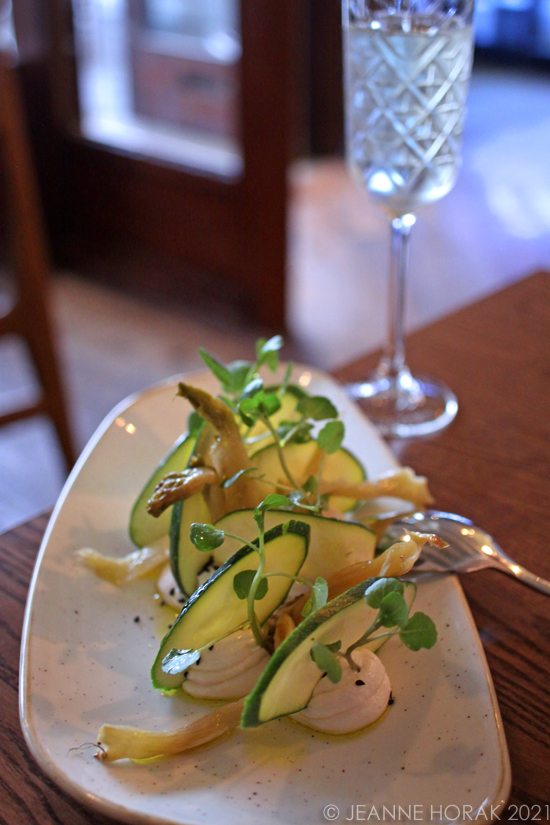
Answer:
[(85, 661)]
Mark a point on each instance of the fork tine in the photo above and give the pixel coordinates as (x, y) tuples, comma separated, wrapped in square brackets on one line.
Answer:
[(445, 557)]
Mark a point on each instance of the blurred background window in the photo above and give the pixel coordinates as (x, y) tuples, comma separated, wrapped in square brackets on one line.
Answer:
[(189, 156), (160, 78), (519, 26)]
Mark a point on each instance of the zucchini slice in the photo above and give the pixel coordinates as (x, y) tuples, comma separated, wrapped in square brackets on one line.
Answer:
[(143, 528), (340, 465), (215, 610), (334, 543), (185, 560), (289, 402), (287, 683)]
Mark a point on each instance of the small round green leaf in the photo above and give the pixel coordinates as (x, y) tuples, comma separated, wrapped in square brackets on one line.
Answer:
[(381, 588), (317, 407), (206, 537), (393, 610), (242, 583), (420, 631), (272, 502), (331, 436), (271, 403)]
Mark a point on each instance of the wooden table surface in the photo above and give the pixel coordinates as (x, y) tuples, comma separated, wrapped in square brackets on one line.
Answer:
[(492, 465)]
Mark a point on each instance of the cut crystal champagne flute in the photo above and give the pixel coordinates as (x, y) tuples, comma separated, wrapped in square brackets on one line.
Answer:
[(407, 71)]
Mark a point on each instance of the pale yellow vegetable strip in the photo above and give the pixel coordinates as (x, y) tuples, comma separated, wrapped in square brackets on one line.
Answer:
[(123, 742), (395, 562), (120, 570), (401, 483)]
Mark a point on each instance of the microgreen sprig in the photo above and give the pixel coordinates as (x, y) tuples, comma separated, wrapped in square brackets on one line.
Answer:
[(252, 585), (386, 595), (248, 397), (240, 380)]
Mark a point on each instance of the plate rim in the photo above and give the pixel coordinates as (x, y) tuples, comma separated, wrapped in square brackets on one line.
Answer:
[(131, 815)]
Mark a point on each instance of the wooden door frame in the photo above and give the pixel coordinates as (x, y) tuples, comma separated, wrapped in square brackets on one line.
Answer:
[(233, 228)]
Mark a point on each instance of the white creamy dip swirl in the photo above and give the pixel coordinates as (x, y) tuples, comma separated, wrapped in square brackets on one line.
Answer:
[(357, 700), (229, 670)]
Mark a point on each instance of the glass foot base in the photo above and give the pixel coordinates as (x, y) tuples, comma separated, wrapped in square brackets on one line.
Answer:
[(404, 406)]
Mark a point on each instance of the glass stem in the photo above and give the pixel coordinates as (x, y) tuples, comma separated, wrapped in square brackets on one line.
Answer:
[(393, 361)]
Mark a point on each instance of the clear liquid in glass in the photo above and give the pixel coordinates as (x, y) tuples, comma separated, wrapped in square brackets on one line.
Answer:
[(406, 88)]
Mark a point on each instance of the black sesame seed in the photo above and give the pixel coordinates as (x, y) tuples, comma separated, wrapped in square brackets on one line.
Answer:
[(173, 591), (359, 682), (162, 602), (185, 674), (136, 620), (211, 647)]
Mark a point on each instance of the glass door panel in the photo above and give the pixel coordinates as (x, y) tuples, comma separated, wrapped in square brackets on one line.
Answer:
[(160, 78)]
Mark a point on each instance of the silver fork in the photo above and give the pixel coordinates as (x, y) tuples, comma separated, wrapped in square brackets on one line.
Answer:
[(470, 548)]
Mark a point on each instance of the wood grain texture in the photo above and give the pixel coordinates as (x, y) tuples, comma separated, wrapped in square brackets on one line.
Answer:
[(491, 465)]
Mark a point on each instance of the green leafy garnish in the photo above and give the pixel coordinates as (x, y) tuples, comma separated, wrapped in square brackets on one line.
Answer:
[(381, 588), (242, 583), (311, 485), (419, 632), (270, 403), (386, 595), (325, 660), (239, 371), (317, 407), (317, 598), (206, 537), (267, 351), (393, 610), (331, 436), (292, 432), (271, 502), (252, 388), (220, 370)]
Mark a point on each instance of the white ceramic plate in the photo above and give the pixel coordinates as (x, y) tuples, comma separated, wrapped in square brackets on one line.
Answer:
[(85, 661)]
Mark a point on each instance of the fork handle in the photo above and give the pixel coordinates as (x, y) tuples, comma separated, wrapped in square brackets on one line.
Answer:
[(519, 572)]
